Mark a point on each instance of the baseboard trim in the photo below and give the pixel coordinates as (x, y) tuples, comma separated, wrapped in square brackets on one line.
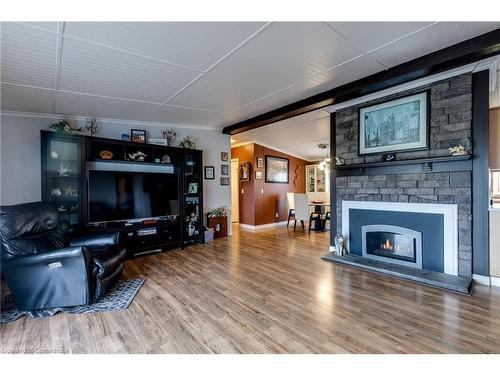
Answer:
[(481, 279), (262, 226), (495, 281)]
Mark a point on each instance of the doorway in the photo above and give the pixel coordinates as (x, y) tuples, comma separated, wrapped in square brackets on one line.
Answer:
[(235, 190)]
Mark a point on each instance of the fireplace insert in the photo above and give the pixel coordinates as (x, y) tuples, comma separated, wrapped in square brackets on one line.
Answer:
[(392, 244)]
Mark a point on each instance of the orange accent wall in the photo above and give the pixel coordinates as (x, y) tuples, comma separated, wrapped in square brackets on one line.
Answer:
[(257, 208)]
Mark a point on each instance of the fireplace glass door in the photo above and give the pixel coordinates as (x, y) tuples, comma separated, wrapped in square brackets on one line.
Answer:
[(393, 244)]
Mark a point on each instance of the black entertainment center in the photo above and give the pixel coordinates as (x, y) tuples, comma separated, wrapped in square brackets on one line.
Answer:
[(152, 194)]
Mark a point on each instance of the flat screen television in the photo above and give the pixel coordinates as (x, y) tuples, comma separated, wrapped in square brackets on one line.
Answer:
[(126, 196)]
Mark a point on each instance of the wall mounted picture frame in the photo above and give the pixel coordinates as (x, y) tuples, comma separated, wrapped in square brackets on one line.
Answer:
[(259, 175), (209, 173), (224, 169), (277, 169), (260, 162), (224, 181), (138, 135), (224, 156), (245, 168), (396, 125)]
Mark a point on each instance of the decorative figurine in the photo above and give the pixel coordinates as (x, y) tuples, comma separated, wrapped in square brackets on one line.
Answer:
[(91, 126), (65, 126), (461, 148), (63, 169), (137, 156), (187, 142), (339, 160), (54, 154), (170, 135), (69, 191), (165, 159), (106, 155), (388, 157), (340, 245), (56, 192)]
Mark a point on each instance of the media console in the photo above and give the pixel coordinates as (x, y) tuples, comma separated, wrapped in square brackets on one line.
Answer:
[(152, 194)]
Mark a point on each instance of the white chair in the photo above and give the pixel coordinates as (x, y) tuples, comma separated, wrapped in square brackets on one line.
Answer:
[(291, 207), (302, 211)]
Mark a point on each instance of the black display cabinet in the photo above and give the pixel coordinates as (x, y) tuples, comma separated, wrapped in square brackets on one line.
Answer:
[(62, 176), (67, 159), (193, 197)]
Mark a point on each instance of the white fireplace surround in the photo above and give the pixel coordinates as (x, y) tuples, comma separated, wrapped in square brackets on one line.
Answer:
[(450, 220)]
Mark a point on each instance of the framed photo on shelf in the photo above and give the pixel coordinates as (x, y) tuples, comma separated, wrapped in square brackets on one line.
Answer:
[(277, 169), (209, 173), (193, 188), (224, 169), (224, 181), (260, 162), (138, 136), (259, 175), (394, 126)]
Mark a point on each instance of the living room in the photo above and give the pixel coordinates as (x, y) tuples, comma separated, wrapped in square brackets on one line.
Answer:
[(192, 185)]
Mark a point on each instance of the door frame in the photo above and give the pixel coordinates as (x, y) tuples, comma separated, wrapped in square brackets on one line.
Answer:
[(235, 180)]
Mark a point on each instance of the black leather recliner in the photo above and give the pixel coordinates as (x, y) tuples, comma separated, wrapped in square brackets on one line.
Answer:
[(45, 269)]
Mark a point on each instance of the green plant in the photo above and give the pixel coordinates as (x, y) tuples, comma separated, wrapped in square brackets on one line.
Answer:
[(217, 212), (188, 142), (64, 126)]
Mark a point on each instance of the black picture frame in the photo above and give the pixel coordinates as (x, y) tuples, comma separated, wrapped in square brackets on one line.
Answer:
[(138, 136), (270, 178), (426, 126), (224, 181), (209, 172)]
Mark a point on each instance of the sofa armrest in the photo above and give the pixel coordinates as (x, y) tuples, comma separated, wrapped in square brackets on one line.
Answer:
[(55, 278), (93, 241)]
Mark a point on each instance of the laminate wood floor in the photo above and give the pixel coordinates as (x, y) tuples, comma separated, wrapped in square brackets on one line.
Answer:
[(268, 292)]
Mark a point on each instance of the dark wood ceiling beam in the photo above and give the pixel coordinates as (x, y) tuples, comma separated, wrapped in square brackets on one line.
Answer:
[(463, 53)]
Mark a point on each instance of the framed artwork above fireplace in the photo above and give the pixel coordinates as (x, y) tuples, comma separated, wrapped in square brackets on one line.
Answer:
[(397, 125)]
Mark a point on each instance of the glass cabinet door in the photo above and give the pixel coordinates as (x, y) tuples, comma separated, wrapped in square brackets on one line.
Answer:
[(310, 179), (192, 195), (62, 175), (320, 180)]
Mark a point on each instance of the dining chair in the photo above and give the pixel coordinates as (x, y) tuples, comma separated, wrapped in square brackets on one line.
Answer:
[(291, 207), (302, 211)]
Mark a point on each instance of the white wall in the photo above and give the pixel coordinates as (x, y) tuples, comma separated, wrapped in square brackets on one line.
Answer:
[(20, 156), (495, 94)]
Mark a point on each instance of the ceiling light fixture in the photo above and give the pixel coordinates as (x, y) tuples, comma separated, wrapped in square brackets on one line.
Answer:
[(325, 163)]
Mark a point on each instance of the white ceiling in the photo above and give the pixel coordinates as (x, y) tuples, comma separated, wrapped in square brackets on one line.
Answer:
[(205, 74), (297, 136)]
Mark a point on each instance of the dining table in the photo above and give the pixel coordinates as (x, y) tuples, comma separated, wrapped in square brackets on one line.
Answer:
[(320, 208)]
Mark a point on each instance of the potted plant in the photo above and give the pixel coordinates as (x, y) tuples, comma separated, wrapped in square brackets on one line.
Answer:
[(217, 219)]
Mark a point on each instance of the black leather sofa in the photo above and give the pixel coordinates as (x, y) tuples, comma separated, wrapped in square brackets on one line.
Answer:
[(45, 269)]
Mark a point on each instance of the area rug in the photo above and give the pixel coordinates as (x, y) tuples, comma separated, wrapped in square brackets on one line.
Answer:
[(118, 298)]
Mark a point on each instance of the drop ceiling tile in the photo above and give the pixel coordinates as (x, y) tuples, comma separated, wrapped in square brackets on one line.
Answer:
[(91, 106), (218, 94), (369, 35), (313, 130), (191, 44), (25, 99), (28, 55), (285, 53), (92, 69), (351, 71), (436, 37), (48, 26), (185, 116)]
